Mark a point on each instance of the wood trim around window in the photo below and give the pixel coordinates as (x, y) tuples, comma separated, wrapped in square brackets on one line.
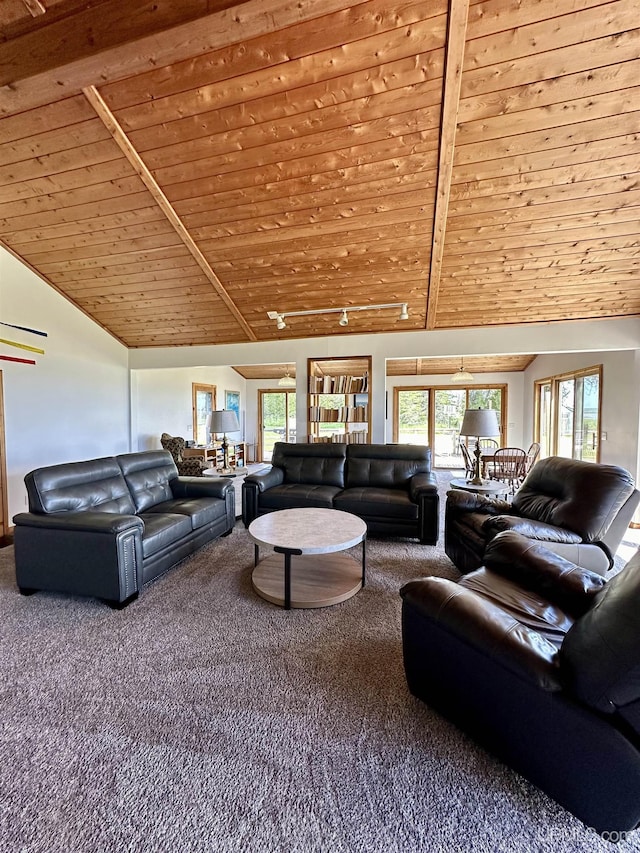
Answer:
[(195, 388), (431, 427)]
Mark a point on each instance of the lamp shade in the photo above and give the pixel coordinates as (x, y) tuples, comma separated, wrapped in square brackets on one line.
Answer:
[(224, 420), (480, 423)]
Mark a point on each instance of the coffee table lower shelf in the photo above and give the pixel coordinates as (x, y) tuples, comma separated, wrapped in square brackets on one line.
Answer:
[(317, 580)]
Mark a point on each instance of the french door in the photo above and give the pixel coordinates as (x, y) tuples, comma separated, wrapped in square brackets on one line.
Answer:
[(277, 420)]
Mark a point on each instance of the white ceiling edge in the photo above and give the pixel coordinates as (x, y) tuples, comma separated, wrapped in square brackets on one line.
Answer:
[(534, 338)]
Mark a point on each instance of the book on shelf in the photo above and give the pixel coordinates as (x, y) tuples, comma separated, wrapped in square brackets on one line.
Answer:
[(340, 415), (339, 384)]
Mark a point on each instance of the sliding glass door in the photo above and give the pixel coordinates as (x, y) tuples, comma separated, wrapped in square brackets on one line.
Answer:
[(449, 406), (277, 416), (433, 416), (568, 415)]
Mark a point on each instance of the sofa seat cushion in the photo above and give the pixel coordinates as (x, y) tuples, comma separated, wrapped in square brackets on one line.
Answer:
[(293, 495), (161, 531), (369, 502), (200, 511), (545, 619)]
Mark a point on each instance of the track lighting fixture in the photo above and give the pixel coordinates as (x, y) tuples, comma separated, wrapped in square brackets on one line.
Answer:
[(279, 316)]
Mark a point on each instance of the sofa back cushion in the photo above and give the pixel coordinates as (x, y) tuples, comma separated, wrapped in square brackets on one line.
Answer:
[(580, 496), (312, 464), (96, 485), (148, 476), (600, 656), (385, 466)]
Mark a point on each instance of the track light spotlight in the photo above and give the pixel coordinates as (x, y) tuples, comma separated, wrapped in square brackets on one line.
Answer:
[(280, 323), (404, 312), (344, 320)]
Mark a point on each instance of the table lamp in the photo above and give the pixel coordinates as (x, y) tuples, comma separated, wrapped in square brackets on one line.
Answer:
[(224, 421), (479, 423)]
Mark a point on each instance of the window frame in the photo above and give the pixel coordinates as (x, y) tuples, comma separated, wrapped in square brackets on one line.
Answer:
[(554, 383)]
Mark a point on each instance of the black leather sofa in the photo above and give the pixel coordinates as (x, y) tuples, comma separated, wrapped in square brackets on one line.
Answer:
[(390, 486), (579, 510), (539, 661), (105, 527)]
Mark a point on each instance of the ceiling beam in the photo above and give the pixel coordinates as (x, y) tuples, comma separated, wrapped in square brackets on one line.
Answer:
[(108, 42), (125, 145), (456, 38)]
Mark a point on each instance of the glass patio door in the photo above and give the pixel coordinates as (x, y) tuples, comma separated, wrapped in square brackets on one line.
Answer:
[(578, 417), (450, 405), (277, 414)]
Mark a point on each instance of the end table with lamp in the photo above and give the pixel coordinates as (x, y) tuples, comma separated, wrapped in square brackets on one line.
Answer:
[(479, 423), (224, 421)]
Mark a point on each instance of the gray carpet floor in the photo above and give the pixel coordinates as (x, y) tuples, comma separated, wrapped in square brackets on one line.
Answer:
[(202, 718)]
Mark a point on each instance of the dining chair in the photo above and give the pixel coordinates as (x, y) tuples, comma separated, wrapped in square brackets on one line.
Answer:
[(532, 457), (469, 464), (508, 466), (488, 444)]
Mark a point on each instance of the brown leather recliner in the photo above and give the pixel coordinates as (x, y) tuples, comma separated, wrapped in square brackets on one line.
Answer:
[(539, 660), (578, 510)]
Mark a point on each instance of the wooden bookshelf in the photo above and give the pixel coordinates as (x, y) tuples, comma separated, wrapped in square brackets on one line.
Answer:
[(338, 399)]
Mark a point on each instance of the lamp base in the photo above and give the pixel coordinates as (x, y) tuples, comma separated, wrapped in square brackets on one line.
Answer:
[(477, 479)]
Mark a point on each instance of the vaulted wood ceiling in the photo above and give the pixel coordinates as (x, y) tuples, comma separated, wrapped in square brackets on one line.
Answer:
[(179, 169)]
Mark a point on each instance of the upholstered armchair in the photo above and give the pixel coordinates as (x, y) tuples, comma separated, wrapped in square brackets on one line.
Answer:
[(192, 467)]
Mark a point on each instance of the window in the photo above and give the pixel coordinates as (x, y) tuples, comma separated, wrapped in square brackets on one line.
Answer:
[(203, 401), (567, 414), (433, 416)]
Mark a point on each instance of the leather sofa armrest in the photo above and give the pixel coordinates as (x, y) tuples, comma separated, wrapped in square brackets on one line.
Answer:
[(485, 627), (461, 501), (86, 521), (84, 553), (530, 528), (531, 565), (266, 480), (200, 487), (423, 483)]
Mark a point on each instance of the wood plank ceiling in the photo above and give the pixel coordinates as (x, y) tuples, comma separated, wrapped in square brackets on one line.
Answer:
[(177, 170)]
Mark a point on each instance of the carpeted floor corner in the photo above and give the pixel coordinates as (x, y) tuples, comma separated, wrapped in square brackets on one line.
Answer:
[(202, 718)]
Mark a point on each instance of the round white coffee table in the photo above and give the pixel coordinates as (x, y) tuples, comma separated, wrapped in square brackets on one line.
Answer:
[(312, 573)]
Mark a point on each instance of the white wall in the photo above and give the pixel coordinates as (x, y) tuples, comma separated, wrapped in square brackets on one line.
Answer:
[(162, 401), (535, 338), (74, 403)]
